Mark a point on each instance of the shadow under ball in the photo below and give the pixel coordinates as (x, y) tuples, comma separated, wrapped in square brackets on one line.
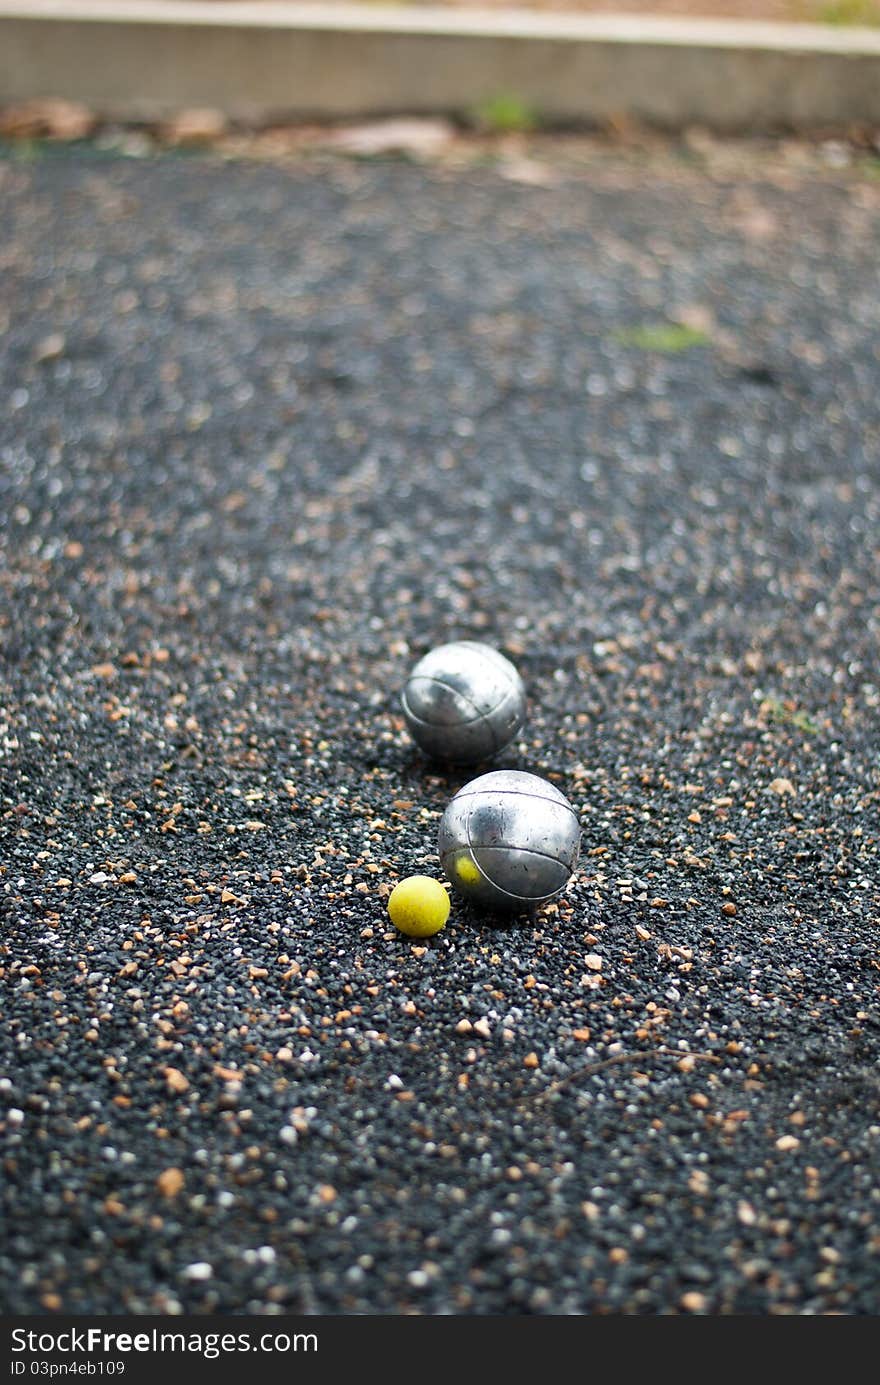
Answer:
[(464, 702), (509, 841)]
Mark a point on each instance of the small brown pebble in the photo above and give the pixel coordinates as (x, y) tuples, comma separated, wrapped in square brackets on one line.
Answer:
[(532, 172), (733, 1118), (582, 1035), (729, 909), (415, 135), (326, 1193), (531, 1060), (783, 787), (659, 903), (176, 1080), (51, 1302), (197, 125), (50, 348), (228, 1074), (693, 1302), (53, 117), (170, 1182)]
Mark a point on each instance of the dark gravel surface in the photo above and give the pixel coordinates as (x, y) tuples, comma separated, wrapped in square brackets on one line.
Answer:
[(269, 433)]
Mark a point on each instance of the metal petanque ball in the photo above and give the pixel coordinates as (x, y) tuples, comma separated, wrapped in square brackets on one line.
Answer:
[(464, 702), (509, 840)]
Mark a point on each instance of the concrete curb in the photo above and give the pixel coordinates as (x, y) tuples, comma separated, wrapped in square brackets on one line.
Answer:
[(143, 59)]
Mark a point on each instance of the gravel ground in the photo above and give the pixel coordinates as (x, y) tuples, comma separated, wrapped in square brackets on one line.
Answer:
[(270, 432)]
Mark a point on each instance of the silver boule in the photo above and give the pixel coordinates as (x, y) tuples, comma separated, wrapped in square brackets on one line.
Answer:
[(509, 840), (464, 702)]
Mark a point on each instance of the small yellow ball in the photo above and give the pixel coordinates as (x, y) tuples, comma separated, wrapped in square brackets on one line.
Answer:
[(418, 906)]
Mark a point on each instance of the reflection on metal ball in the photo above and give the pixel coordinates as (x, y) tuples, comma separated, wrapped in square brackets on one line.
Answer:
[(509, 840), (464, 702)]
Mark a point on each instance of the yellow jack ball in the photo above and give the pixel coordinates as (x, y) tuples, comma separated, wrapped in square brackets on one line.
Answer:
[(418, 906)]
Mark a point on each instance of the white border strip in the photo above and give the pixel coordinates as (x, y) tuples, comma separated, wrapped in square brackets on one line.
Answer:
[(452, 21)]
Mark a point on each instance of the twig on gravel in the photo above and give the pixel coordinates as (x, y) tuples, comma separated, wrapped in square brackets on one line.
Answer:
[(592, 1068)]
